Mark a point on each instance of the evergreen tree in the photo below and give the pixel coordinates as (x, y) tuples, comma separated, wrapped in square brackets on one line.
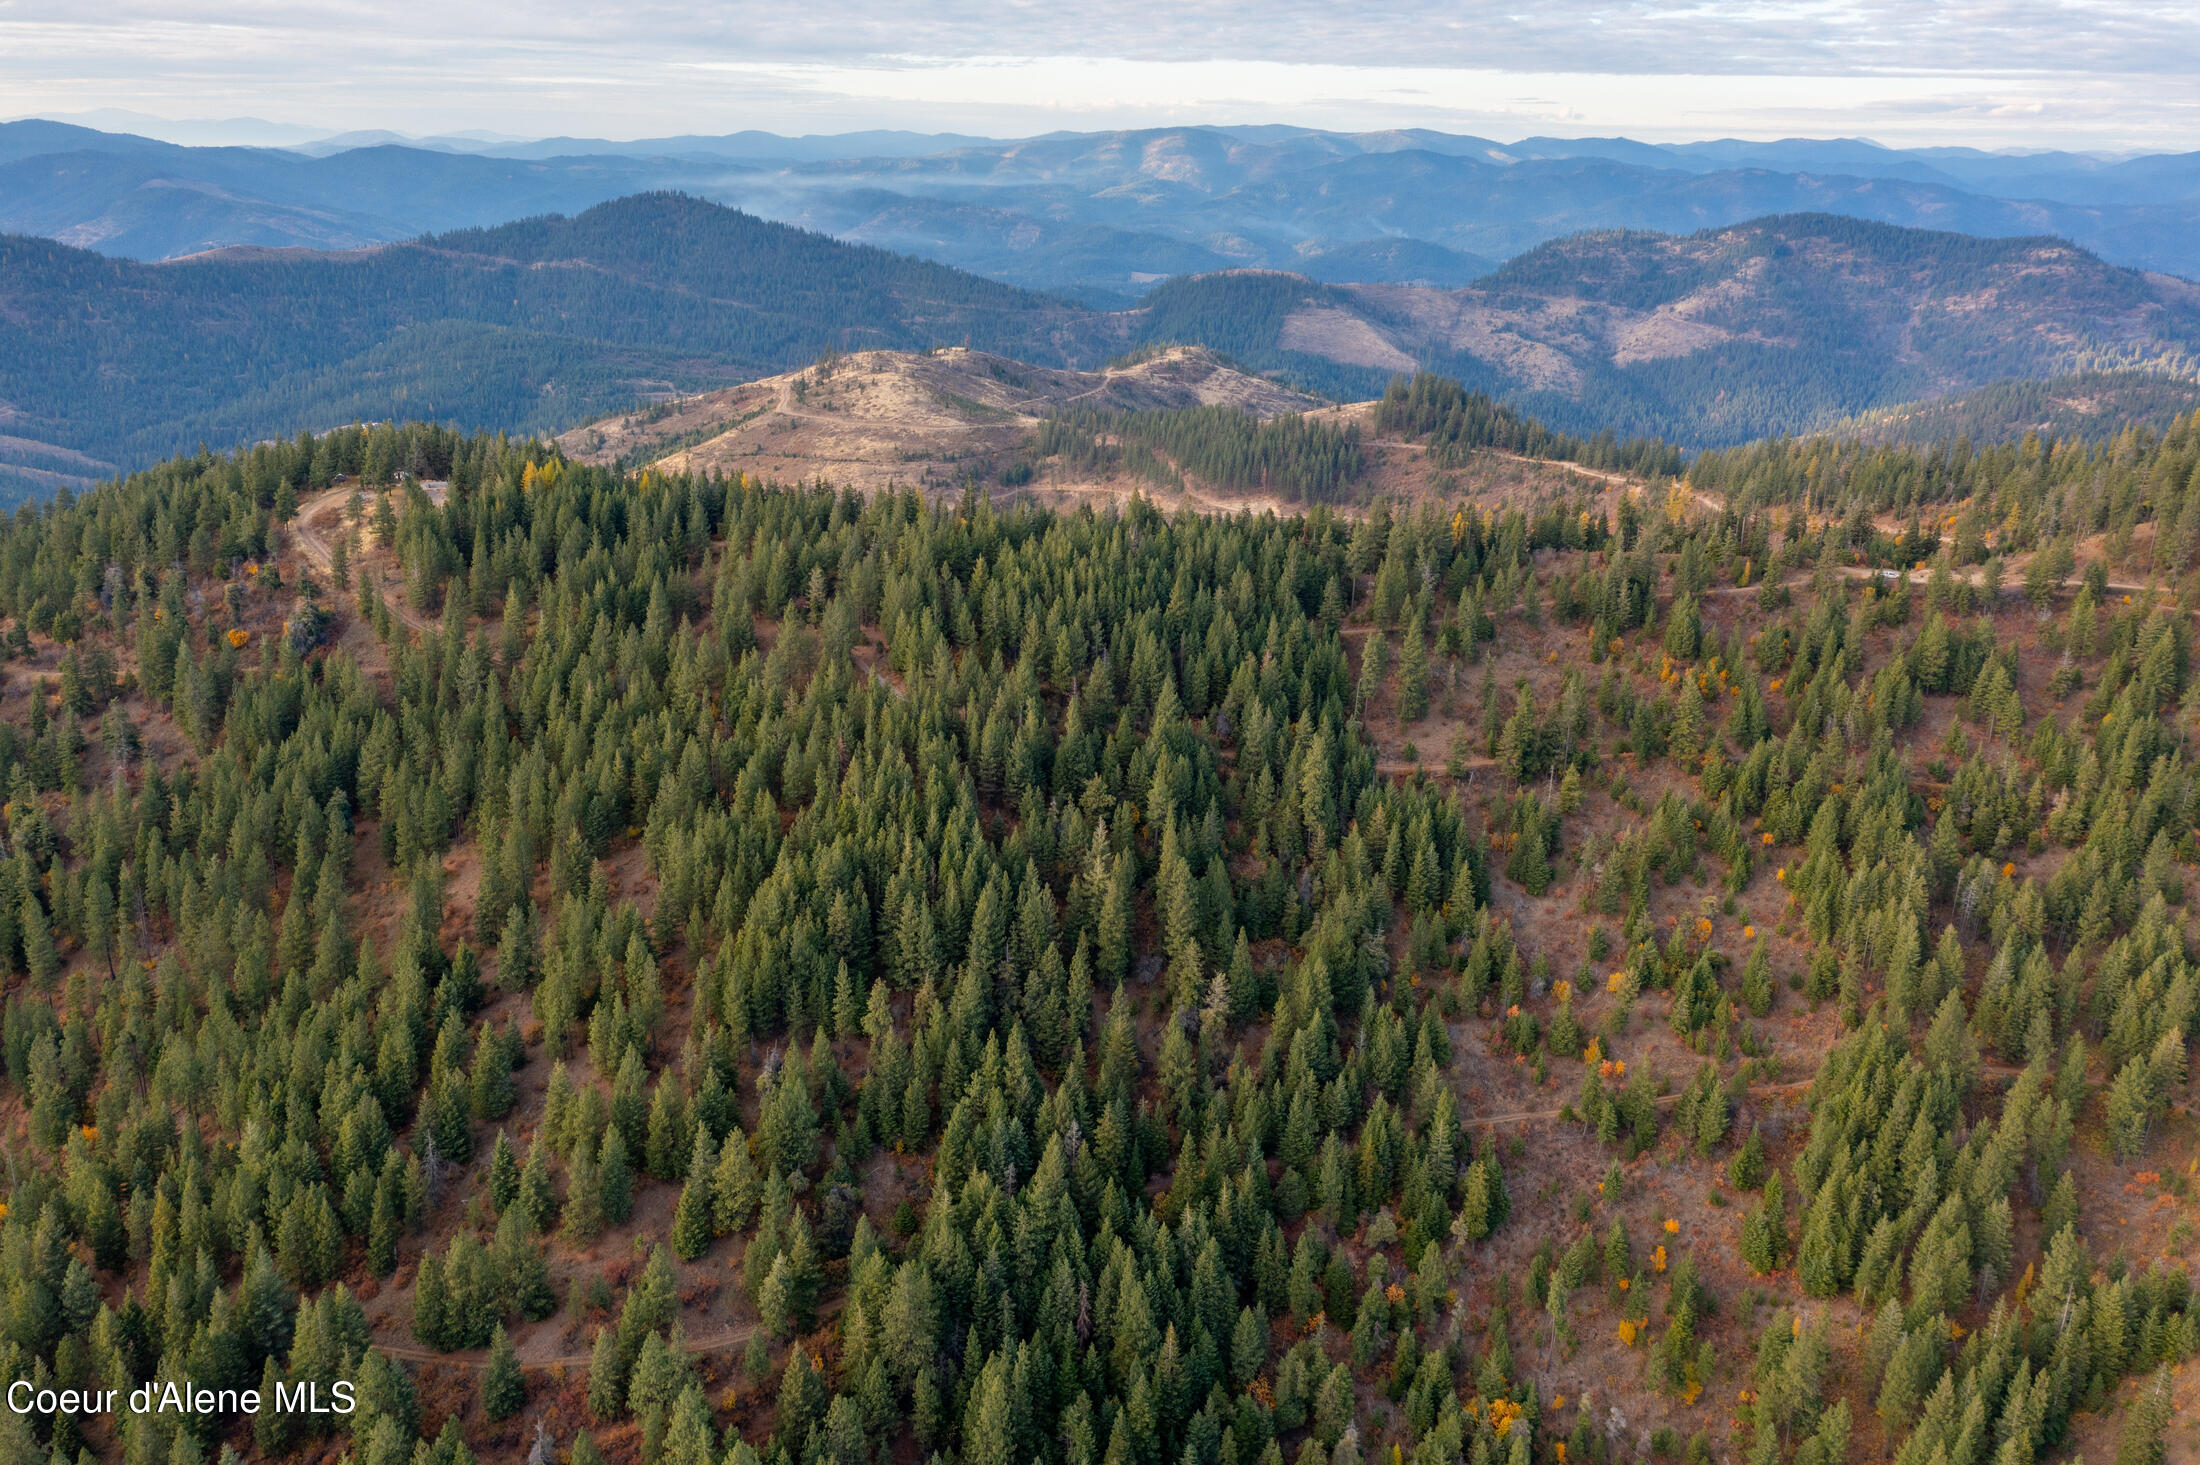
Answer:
[(503, 1386), (503, 1180), (692, 1220), (1757, 991), (606, 1379), (1764, 1234), (2145, 1437), (615, 1183), (431, 1304), (1413, 674)]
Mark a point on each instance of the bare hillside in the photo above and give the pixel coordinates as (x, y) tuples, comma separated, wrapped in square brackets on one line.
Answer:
[(942, 419), (879, 417)]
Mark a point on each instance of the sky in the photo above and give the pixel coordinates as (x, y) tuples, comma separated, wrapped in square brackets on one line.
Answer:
[(2102, 75)]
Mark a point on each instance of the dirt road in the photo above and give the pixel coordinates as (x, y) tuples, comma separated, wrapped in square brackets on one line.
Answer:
[(1602, 475), (314, 531)]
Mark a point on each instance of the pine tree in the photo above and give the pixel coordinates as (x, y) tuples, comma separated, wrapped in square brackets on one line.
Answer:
[(448, 1116), (517, 959), (1564, 1038), (2145, 1437), (615, 1183), (692, 1219), (1764, 1234), (582, 1219), (1688, 738), (503, 1386), (1374, 667), (1818, 1263), (2130, 1108), (1696, 998), (1514, 746), (1757, 990), (801, 1398), (1746, 1171), (39, 958), (271, 1427), (2061, 1209), (503, 1180), (431, 1303), (988, 1435), (1413, 674), (671, 1130), (1994, 702), (775, 1298), (536, 1195), (787, 1128), (1683, 630), (606, 1379), (1708, 1125), (1248, 1348)]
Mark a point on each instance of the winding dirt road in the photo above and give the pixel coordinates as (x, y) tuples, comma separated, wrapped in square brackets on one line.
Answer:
[(314, 531)]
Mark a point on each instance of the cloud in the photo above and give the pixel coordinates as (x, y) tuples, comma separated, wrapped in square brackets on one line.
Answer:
[(2104, 73)]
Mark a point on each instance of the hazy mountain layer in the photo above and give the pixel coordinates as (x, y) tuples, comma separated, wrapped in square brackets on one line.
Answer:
[(1095, 212)]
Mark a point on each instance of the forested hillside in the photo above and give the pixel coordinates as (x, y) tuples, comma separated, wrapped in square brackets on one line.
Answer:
[(1453, 422), (1787, 324), (1246, 314), (524, 327), (1782, 324), (678, 969), (2087, 404)]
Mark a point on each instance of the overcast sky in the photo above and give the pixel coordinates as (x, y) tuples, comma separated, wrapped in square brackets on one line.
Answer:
[(2100, 74)]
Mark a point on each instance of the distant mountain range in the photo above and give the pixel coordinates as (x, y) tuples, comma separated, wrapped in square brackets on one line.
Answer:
[(1104, 215), (1776, 325)]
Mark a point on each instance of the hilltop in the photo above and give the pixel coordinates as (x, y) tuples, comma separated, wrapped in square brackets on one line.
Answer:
[(942, 419), (941, 413)]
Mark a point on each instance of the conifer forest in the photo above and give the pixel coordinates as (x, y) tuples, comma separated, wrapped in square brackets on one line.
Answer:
[(1689, 961)]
